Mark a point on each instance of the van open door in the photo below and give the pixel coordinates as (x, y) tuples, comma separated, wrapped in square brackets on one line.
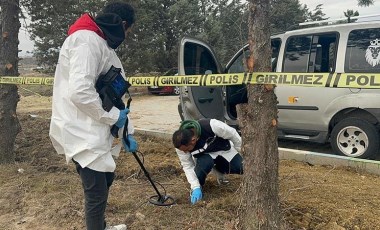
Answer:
[(197, 58)]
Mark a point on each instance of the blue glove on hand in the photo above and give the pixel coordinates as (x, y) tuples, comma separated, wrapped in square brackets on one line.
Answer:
[(132, 147), (196, 195), (122, 118)]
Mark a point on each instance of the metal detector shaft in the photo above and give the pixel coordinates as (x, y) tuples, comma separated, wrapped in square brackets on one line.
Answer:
[(161, 200), (148, 176)]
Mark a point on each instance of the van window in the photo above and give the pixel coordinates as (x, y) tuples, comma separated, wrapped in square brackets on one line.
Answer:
[(276, 44), (238, 65), (311, 53), (297, 54), (198, 60), (363, 51)]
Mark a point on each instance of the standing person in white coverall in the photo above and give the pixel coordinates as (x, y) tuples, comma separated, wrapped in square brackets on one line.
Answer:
[(205, 145), (80, 127)]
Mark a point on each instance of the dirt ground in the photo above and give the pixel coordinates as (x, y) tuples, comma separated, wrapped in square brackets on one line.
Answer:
[(40, 191)]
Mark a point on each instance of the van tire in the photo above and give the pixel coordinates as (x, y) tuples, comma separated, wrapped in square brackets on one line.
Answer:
[(354, 137)]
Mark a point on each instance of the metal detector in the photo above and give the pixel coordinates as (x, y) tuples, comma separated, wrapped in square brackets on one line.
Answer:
[(159, 199)]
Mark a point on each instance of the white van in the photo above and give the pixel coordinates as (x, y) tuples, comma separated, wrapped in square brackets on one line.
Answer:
[(347, 117)]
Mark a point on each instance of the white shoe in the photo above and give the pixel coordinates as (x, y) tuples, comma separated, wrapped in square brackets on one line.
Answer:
[(220, 178), (117, 227), (222, 181)]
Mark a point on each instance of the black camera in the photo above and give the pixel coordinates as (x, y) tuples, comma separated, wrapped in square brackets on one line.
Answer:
[(111, 88)]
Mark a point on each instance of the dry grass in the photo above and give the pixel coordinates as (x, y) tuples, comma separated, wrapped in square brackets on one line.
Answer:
[(40, 191)]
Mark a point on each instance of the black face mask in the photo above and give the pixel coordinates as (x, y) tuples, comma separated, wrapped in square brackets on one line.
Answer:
[(112, 27)]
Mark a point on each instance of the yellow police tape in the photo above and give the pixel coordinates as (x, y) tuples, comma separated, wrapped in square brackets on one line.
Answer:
[(27, 80), (334, 80)]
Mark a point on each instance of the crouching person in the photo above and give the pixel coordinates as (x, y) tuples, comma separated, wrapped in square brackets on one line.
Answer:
[(207, 145)]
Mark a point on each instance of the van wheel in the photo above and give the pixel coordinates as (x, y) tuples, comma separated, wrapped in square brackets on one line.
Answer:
[(353, 137)]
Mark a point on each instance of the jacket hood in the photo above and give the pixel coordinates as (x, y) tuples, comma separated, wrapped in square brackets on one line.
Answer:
[(112, 27), (86, 22)]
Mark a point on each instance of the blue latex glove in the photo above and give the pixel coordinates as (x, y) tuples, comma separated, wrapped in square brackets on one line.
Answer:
[(196, 195), (122, 118), (132, 147)]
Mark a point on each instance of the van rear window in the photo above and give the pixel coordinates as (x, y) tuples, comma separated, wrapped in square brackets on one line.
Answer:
[(363, 51)]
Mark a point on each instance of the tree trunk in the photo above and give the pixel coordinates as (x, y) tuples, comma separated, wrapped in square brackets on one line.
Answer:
[(10, 127), (259, 206)]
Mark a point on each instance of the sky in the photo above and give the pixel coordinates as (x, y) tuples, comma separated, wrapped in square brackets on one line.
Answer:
[(332, 8)]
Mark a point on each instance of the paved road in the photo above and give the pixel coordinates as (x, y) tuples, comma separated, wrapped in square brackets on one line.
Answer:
[(159, 113), (153, 112)]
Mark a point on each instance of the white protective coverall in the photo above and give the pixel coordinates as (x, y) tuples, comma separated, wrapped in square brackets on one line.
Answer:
[(80, 127), (221, 130)]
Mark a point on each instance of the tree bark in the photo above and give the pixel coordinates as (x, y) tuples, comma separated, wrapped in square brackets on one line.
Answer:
[(259, 206), (10, 127)]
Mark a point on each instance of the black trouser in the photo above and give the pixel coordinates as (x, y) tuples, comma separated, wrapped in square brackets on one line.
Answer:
[(96, 186), (204, 164)]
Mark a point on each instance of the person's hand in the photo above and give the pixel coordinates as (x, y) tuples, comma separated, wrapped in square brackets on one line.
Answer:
[(196, 195), (122, 118), (132, 147)]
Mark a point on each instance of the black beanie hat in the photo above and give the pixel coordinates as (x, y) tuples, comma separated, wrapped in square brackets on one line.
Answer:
[(112, 27), (124, 10)]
